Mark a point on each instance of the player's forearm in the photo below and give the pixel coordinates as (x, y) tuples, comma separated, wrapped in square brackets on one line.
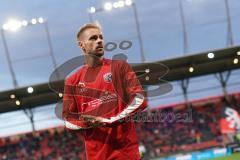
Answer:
[(137, 104), (71, 126), (77, 124), (72, 121)]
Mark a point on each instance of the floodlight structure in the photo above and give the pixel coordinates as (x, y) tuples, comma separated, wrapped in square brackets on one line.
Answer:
[(230, 41), (15, 84), (108, 6), (183, 21), (14, 25)]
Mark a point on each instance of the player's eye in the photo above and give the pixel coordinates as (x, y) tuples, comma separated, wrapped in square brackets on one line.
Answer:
[(93, 37)]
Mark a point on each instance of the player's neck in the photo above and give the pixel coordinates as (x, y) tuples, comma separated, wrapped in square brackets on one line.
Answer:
[(93, 61)]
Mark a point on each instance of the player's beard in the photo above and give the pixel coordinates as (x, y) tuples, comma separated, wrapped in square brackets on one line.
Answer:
[(97, 53)]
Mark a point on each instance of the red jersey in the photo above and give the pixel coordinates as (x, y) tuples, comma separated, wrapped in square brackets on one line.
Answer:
[(104, 91)]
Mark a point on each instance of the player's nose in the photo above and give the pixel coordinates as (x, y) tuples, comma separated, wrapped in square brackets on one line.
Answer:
[(99, 41)]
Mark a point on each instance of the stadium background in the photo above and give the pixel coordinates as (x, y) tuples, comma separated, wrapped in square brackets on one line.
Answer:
[(162, 31)]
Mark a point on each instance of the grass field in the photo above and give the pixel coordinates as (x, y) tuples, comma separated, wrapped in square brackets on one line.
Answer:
[(231, 157)]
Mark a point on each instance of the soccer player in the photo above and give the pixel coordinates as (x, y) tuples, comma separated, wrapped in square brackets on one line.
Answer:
[(100, 97)]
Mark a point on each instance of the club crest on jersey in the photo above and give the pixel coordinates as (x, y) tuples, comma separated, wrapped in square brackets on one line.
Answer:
[(107, 77)]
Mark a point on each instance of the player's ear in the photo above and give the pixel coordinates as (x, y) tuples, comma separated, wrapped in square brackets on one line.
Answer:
[(81, 45)]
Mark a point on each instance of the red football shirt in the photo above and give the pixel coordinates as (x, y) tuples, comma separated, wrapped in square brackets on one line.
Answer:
[(104, 91)]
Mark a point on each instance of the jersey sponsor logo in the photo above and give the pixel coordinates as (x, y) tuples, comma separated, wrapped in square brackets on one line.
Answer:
[(107, 77), (92, 104), (102, 100)]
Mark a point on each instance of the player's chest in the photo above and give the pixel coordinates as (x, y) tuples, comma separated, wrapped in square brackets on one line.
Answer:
[(99, 78)]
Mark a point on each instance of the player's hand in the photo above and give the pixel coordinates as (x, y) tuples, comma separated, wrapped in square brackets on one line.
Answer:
[(95, 121)]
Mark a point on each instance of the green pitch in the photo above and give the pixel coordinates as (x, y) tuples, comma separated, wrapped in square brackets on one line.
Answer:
[(235, 156)]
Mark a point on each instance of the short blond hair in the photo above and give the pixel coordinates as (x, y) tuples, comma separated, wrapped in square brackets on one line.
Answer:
[(87, 26)]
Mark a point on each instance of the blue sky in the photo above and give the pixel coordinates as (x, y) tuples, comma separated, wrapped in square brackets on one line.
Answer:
[(161, 30)]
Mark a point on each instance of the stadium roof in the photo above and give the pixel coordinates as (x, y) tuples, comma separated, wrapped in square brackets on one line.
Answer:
[(149, 74)]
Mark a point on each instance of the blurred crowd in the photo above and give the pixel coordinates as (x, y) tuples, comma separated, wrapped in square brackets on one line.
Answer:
[(52, 144), (163, 131), (186, 127)]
